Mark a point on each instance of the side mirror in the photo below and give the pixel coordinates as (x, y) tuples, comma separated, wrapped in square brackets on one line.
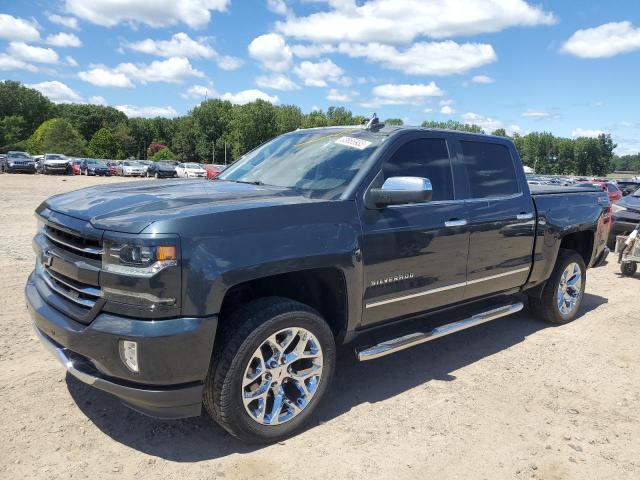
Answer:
[(401, 191)]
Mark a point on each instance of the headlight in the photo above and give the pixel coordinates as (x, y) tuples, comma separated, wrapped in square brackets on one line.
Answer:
[(138, 260), (615, 208)]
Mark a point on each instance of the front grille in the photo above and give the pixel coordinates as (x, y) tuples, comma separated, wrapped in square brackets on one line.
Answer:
[(21, 163), (76, 244), (74, 291)]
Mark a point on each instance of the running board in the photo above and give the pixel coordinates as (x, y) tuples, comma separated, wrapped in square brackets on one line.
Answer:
[(395, 345)]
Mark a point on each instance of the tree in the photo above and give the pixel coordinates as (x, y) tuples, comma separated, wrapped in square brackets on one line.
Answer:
[(125, 143), (252, 124), (288, 118), (317, 118), (88, 119), (212, 120), (499, 132), (393, 121), (28, 103), (164, 154), (185, 139), (56, 136), (12, 130), (103, 144), (339, 116)]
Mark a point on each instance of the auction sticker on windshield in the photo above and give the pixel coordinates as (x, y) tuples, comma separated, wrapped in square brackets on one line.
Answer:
[(353, 142)]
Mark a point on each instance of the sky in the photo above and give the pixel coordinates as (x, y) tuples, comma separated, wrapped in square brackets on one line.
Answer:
[(570, 67)]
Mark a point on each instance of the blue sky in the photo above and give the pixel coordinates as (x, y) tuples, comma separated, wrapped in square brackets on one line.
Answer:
[(568, 67)]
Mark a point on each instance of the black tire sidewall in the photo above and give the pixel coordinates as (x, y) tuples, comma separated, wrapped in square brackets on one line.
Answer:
[(628, 269), (241, 423)]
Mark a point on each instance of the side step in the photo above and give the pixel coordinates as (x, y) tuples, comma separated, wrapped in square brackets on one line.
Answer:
[(395, 345)]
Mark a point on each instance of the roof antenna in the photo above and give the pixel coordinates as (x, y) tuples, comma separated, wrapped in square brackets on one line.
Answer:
[(372, 123)]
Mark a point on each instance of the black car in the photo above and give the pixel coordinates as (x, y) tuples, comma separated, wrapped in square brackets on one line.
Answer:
[(624, 220), (628, 186), (19, 162), (165, 169), (89, 166)]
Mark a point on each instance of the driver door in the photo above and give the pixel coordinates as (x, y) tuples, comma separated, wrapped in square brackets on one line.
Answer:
[(415, 255)]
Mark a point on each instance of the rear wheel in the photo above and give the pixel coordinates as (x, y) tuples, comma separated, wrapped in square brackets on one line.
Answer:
[(271, 369), (563, 293), (628, 269)]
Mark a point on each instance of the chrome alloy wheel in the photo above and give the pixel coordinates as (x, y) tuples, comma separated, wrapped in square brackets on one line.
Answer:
[(282, 376), (569, 289)]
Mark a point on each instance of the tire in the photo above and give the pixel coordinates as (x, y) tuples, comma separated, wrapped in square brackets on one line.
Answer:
[(547, 307), (247, 329), (628, 269)]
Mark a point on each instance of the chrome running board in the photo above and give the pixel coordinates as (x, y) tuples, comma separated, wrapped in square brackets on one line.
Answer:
[(395, 345)]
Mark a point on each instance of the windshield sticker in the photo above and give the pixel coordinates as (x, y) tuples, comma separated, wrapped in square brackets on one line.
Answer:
[(353, 142)]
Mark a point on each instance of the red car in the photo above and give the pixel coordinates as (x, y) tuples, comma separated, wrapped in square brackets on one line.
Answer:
[(111, 169), (213, 170), (612, 189), (75, 167)]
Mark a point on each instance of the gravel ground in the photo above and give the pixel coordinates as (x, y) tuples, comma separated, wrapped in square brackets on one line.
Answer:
[(514, 398)]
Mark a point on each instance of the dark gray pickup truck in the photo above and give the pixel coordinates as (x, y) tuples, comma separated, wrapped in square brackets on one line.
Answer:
[(233, 293)]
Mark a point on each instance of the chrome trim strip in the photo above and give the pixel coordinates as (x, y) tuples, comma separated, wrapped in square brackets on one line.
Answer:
[(442, 289), (58, 290), (60, 354), (407, 341), (94, 292), (92, 250)]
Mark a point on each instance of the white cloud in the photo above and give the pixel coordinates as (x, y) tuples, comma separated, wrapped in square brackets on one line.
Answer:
[(200, 92), (482, 79), (57, 92), (132, 111), (30, 53), (427, 110), (278, 6), (7, 62), (15, 28), (158, 13), (226, 62), (71, 61), (581, 132), (271, 51), (277, 82), (401, 21), (171, 70), (319, 74), (69, 22), (425, 58), (446, 108), (97, 100), (399, 94), (101, 76), (64, 40), (537, 114), (312, 50), (604, 41), (335, 95), (246, 96)]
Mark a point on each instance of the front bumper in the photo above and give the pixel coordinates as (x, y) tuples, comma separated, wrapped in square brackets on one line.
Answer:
[(20, 168), (173, 355)]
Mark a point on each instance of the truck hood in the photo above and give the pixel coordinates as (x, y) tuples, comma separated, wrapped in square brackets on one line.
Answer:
[(130, 207)]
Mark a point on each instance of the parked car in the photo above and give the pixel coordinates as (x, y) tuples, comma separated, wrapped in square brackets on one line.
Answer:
[(612, 190), (213, 170), (317, 238), (190, 170), (76, 167), (18, 162), (145, 164), (112, 168), (92, 166), (628, 186), (162, 169), (625, 216), (3, 158), (130, 168), (55, 163)]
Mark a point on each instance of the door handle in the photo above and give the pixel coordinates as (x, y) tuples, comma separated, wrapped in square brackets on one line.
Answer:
[(455, 223), (524, 216)]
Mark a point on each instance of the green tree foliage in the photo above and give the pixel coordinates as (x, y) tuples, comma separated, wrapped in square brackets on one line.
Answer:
[(88, 119), (164, 154), (499, 132), (317, 118), (627, 163), (30, 104), (393, 121), (103, 144), (288, 118), (12, 130), (56, 136)]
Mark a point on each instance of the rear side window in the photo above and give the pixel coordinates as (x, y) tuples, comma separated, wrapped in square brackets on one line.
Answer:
[(490, 170), (426, 158), (612, 188)]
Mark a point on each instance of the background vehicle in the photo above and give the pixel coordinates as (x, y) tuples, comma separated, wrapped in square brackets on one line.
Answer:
[(625, 217), (628, 186), (162, 169), (91, 166), (612, 190), (76, 167), (19, 162), (129, 168), (112, 169), (213, 170), (3, 158), (319, 237), (145, 164), (190, 170), (55, 163)]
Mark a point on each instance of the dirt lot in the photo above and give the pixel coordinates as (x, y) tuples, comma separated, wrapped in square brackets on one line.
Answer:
[(510, 399)]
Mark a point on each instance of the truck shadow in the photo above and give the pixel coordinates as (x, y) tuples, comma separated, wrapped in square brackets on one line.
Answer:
[(198, 439)]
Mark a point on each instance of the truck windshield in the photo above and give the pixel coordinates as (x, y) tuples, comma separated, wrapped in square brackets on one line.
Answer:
[(319, 163)]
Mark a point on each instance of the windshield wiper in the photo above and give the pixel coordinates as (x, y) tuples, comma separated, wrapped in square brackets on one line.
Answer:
[(250, 182)]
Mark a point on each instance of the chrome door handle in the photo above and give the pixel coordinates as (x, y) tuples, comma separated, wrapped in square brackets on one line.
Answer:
[(524, 216), (455, 223)]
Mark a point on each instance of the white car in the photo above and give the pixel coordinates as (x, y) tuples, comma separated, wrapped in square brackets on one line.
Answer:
[(55, 163), (190, 170), (131, 169)]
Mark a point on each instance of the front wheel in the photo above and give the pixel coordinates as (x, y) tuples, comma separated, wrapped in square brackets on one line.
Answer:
[(563, 293), (628, 269), (273, 363)]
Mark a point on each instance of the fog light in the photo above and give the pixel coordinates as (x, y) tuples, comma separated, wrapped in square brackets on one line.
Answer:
[(129, 354)]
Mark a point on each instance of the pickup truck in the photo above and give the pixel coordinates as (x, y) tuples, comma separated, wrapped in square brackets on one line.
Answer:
[(234, 293)]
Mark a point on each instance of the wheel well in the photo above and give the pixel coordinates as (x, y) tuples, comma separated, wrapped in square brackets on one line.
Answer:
[(581, 242), (323, 289)]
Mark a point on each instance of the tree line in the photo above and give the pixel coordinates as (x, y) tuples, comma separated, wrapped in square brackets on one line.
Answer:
[(217, 128)]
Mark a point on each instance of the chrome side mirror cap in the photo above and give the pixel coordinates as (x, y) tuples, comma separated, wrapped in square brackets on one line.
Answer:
[(401, 191)]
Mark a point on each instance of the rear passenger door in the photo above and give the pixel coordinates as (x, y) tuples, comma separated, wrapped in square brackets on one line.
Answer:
[(501, 217)]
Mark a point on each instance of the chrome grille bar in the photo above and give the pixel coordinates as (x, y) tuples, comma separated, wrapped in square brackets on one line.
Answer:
[(89, 250), (51, 282)]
